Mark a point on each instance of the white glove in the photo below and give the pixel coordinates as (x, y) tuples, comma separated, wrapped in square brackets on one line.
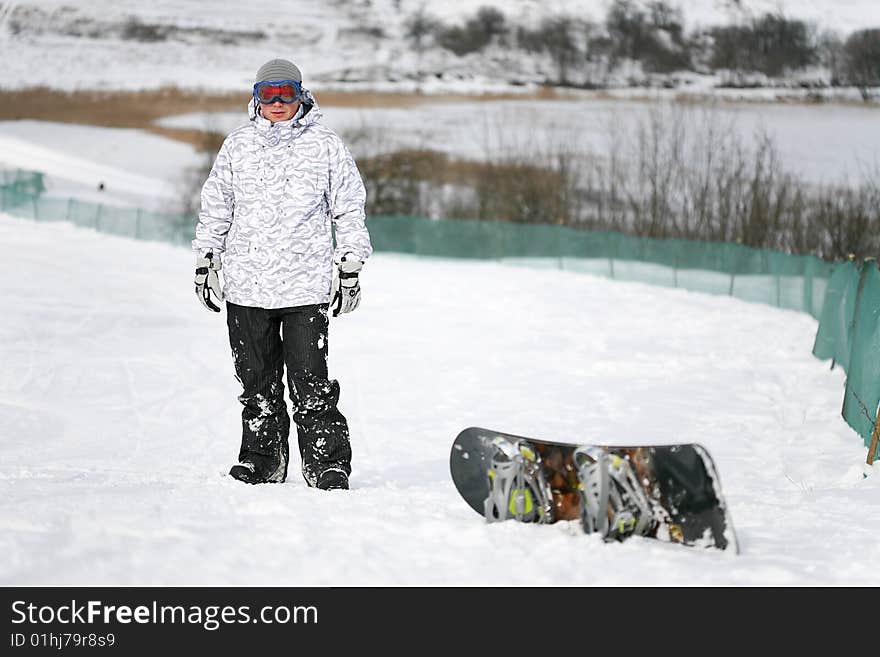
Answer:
[(345, 291), (207, 280)]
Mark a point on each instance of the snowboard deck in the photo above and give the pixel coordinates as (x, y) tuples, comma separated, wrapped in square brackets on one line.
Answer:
[(680, 480)]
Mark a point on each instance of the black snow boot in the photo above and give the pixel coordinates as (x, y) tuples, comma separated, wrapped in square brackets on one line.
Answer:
[(260, 469), (332, 480)]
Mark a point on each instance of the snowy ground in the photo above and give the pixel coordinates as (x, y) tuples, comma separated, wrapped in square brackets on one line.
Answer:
[(135, 168), (119, 420)]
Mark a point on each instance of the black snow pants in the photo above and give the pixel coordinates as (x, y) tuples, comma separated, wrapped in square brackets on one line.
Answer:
[(263, 343)]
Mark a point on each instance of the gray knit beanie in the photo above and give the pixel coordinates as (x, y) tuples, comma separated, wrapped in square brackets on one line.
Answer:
[(278, 69)]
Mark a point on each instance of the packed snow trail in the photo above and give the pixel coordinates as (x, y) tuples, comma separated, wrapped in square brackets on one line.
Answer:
[(119, 421)]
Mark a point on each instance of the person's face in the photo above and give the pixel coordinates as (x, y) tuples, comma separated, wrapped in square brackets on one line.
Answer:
[(279, 111)]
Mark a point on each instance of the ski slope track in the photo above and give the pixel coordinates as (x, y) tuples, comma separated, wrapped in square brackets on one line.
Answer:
[(119, 422), (18, 153)]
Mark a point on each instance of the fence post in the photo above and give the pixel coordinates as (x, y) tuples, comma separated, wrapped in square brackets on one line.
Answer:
[(872, 450), (808, 273), (675, 265), (731, 268)]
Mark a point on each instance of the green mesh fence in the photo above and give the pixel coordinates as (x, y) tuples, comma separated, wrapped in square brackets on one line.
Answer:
[(20, 190), (834, 338), (845, 297), (775, 278), (22, 195), (849, 333)]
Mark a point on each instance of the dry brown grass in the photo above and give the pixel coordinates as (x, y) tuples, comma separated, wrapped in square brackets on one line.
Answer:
[(140, 109), (335, 98), (116, 109)]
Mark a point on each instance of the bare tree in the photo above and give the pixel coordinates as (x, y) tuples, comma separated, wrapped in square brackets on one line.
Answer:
[(862, 59)]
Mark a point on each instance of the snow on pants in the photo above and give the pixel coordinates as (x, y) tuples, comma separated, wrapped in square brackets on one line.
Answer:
[(263, 343)]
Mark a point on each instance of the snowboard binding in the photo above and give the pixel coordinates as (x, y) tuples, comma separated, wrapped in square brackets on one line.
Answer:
[(517, 486), (613, 504)]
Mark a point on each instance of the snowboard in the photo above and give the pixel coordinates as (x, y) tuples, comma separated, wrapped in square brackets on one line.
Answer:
[(670, 493)]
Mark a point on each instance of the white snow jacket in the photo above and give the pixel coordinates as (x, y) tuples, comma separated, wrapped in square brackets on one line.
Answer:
[(268, 206)]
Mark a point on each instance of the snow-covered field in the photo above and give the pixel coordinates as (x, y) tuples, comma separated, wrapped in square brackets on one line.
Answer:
[(119, 420)]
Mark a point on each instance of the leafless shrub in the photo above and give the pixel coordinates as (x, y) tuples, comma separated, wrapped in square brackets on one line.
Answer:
[(770, 44), (514, 182), (400, 183), (848, 221), (192, 179), (475, 34), (862, 59), (136, 30), (558, 37), (420, 29), (652, 34), (686, 176)]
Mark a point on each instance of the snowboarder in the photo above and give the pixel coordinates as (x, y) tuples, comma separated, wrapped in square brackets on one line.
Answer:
[(278, 188)]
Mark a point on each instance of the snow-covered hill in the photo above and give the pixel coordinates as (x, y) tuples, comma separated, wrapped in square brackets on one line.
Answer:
[(218, 45)]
